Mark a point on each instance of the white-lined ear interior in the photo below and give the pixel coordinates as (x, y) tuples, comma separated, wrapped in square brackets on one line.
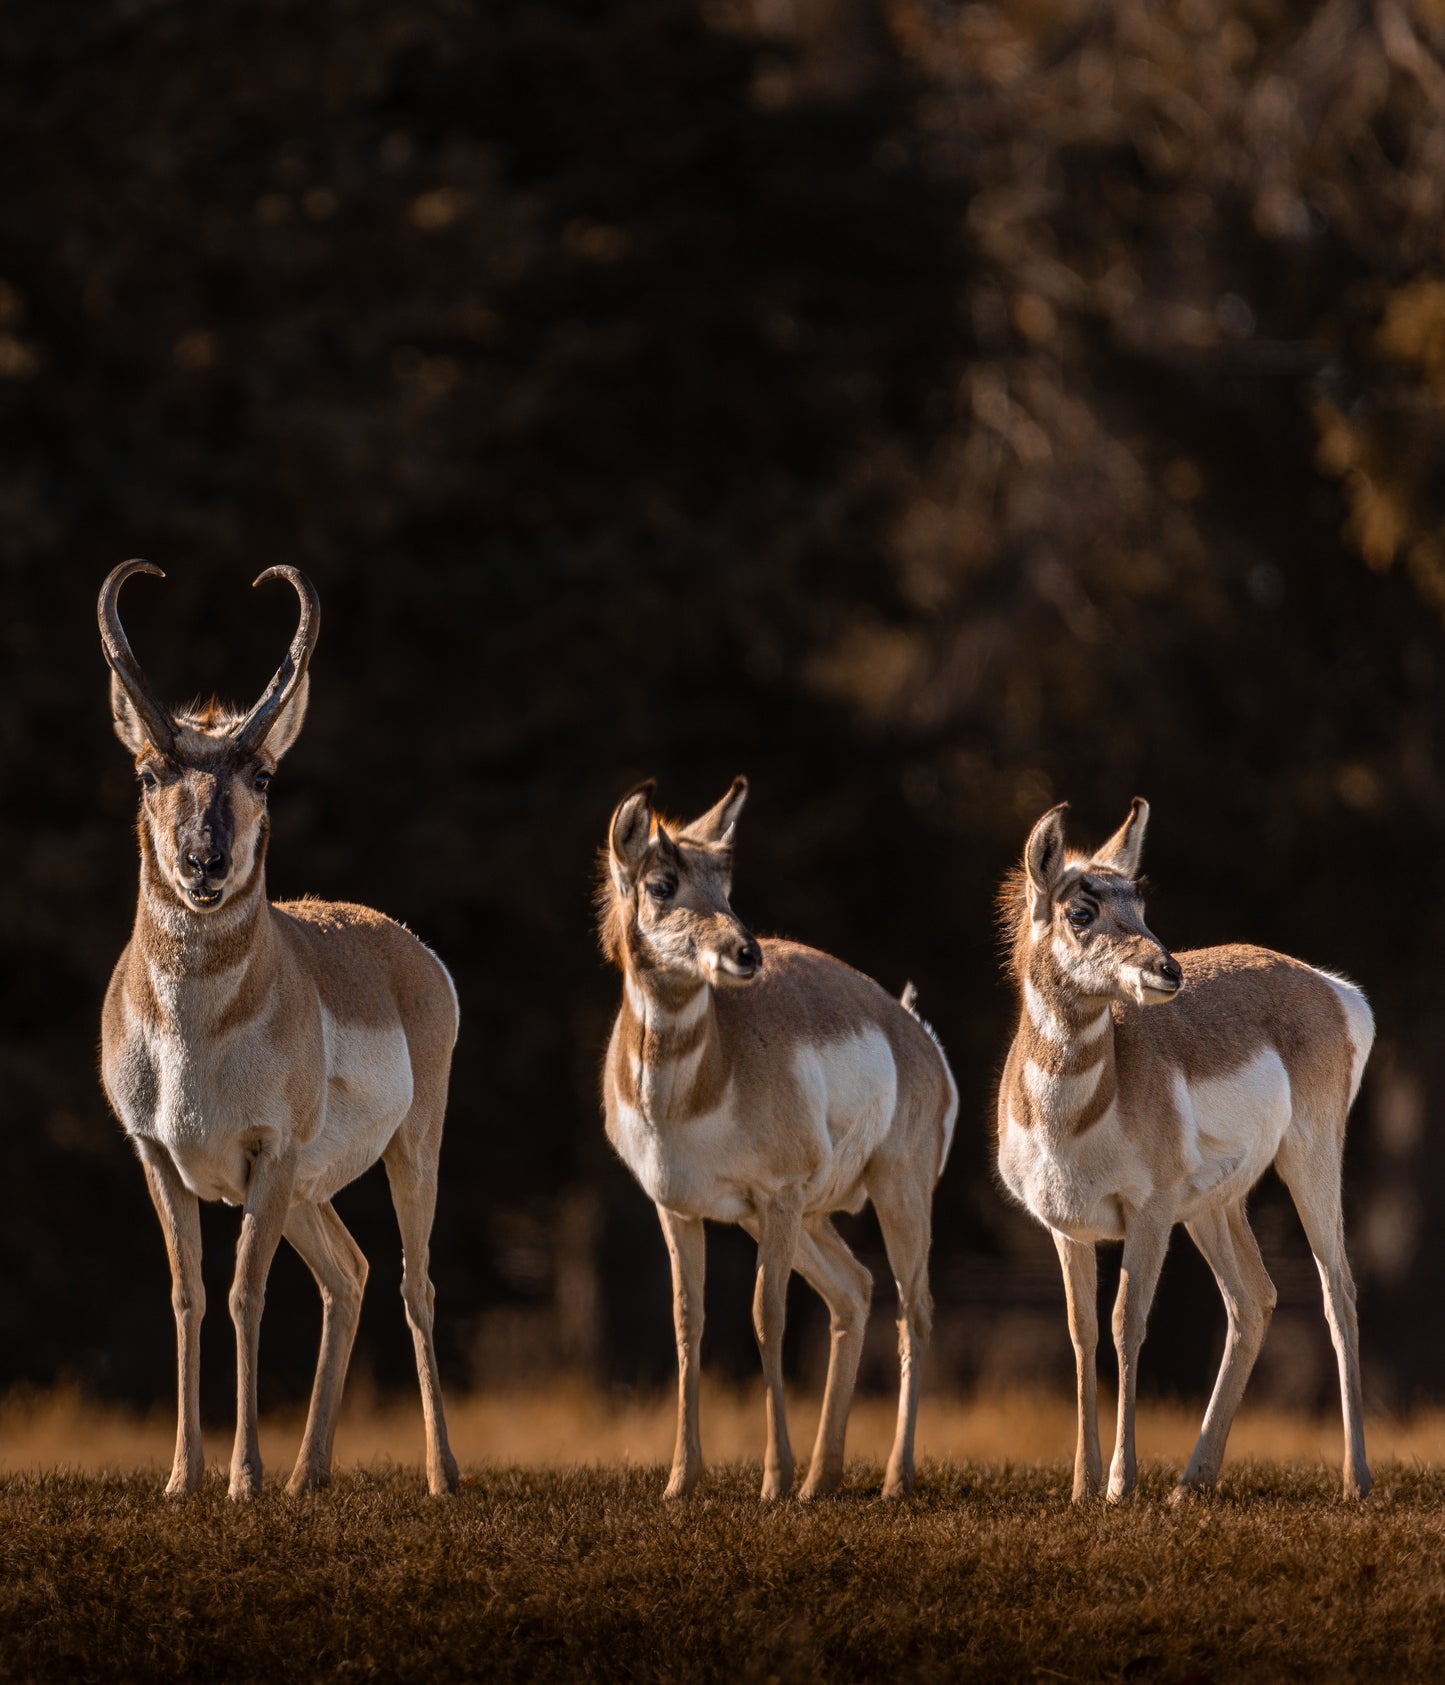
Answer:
[(1124, 851), (287, 727), (128, 727), (716, 826), (630, 832), (1045, 855)]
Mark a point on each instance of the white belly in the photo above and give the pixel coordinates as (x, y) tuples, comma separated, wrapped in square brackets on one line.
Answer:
[(1233, 1126), (368, 1093)]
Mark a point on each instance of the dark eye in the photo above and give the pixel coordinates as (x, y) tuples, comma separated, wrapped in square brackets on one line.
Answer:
[(661, 889), (261, 782), (148, 779), (1080, 917)]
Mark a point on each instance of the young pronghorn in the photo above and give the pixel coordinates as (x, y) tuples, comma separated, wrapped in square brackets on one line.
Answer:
[(266, 1054), (1116, 1123), (766, 1084)]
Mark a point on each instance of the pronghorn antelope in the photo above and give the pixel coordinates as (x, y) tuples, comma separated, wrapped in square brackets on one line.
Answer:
[(265, 1054), (766, 1084), (1115, 1123)]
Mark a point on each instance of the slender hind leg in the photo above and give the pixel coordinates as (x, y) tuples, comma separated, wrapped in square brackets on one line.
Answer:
[(830, 1269), (687, 1248), (1311, 1172), (1080, 1265), (413, 1178), (337, 1263), (1225, 1238), (905, 1216)]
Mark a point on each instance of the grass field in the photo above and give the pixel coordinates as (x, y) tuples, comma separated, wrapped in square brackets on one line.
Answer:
[(555, 1572)]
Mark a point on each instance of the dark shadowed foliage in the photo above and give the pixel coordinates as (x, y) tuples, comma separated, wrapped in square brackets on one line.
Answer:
[(931, 411)]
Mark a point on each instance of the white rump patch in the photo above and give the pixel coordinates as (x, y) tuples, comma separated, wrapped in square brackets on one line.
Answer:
[(1361, 1022)]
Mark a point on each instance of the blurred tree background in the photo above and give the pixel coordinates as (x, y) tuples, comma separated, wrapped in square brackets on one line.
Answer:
[(932, 410)]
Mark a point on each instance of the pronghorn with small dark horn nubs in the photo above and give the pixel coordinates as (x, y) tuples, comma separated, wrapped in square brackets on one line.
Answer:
[(766, 1084), (265, 1054), (1116, 1122)]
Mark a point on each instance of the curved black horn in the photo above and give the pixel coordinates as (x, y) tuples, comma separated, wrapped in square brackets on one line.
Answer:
[(159, 726), (251, 732)]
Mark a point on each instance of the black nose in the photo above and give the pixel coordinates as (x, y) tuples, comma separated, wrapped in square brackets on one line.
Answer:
[(1169, 967), (213, 866)]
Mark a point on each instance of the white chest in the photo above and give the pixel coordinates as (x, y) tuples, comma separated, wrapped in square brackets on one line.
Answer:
[(1078, 1185), (213, 1100)]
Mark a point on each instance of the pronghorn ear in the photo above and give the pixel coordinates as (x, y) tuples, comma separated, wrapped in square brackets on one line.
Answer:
[(289, 721), (1044, 857), (630, 833), (1125, 849), (715, 827), (128, 727)]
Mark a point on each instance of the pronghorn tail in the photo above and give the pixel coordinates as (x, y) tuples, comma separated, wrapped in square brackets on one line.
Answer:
[(908, 1000)]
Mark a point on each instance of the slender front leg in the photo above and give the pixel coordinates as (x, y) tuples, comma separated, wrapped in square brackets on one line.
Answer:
[(687, 1248), (1146, 1239), (778, 1231), (340, 1269), (268, 1199), (180, 1213), (1081, 1289)]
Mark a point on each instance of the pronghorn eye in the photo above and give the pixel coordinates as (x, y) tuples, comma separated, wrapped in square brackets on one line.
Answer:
[(661, 889), (148, 779), (1081, 918), (261, 782)]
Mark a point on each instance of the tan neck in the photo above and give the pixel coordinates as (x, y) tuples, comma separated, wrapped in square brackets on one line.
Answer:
[(191, 969), (670, 1056), (1063, 1071)]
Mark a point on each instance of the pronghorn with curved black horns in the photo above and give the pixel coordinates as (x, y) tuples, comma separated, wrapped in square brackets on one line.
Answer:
[(1116, 1122), (265, 1054), (766, 1084)]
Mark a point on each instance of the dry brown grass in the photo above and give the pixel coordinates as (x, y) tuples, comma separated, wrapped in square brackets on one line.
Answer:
[(567, 1426), (569, 1572), (987, 1573)]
